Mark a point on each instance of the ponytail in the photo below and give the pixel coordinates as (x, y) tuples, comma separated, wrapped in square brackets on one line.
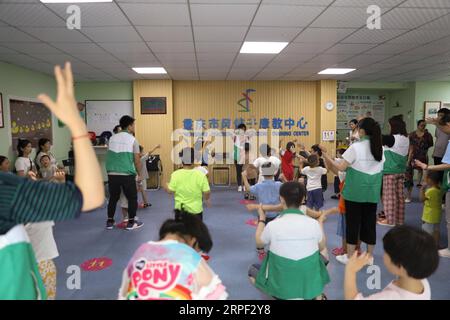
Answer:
[(373, 131), (186, 224)]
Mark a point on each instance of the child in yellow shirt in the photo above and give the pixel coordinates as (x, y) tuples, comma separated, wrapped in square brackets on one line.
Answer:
[(432, 204)]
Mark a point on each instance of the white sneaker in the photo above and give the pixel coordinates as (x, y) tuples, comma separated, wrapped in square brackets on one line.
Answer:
[(407, 200), (342, 259), (445, 253), (240, 189)]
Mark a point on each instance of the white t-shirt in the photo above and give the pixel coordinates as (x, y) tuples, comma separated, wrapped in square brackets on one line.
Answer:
[(144, 171), (293, 236), (48, 173), (261, 160), (393, 292), (314, 177), (42, 240), (341, 174), (23, 164)]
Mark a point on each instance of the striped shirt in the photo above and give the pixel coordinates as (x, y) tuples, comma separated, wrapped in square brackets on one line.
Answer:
[(23, 201)]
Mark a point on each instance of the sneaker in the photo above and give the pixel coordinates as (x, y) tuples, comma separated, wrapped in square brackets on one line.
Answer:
[(342, 259), (252, 197), (407, 200), (146, 205), (136, 225), (109, 224), (381, 215), (383, 222), (444, 253), (240, 189), (246, 196)]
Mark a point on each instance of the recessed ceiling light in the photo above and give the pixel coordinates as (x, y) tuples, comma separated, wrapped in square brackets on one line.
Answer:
[(150, 70), (73, 1), (263, 47), (336, 71)]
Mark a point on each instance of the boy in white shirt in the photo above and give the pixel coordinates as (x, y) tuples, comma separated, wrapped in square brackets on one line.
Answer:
[(267, 156), (409, 254), (314, 184)]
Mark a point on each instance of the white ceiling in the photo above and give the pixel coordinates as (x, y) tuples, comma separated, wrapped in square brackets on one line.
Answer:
[(201, 39)]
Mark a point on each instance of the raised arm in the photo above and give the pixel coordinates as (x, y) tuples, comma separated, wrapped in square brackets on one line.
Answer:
[(339, 166), (88, 177)]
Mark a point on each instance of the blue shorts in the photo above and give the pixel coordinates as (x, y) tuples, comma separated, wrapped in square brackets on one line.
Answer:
[(341, 226), (315, 199)]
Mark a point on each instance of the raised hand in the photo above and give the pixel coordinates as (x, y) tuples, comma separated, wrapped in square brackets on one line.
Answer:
[(65, 106), (355, 263)]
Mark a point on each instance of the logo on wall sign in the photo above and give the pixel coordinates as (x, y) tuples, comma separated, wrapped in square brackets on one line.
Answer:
[(245, 102)]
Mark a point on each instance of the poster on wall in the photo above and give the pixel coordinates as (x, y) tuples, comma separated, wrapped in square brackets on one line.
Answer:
[(355, 106), (30, 120), (2, 120), (431, 109)]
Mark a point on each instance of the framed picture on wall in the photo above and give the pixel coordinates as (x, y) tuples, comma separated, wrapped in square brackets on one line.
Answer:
[(2, 119), (153, 105), (431, 109)]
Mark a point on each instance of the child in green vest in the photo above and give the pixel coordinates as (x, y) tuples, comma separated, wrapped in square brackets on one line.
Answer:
[(292, 269)]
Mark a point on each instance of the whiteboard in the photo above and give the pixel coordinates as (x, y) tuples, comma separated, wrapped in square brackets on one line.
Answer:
[(104, 115)]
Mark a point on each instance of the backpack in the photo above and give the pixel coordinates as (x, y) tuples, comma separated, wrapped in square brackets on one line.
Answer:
[(154, 163)]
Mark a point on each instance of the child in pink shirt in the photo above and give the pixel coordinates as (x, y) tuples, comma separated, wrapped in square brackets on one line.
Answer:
[(410, 254)]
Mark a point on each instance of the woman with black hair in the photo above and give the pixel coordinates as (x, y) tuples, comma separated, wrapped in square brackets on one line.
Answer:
[(420, 141), (23, 162), (396, 147), (363, 163), (354, 134), (172, 268), (240, 138)]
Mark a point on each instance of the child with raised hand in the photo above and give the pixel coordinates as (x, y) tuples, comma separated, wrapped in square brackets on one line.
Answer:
[(44, 201), (142, 185), (287, 162), (177, 255), (432, 204), (314, 174), (293, 268), (409, 254)]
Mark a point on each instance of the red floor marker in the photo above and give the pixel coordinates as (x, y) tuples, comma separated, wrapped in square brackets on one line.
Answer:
[(247, 202), (96, 264), (252, 222)]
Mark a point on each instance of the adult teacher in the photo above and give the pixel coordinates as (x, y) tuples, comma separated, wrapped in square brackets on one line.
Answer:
[(420, 141), (443, 124), (396, 147), (363, 162), (123, 163)]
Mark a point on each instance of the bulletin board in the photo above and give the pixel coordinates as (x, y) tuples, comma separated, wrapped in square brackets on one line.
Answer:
[(30, 120), (352, 106)]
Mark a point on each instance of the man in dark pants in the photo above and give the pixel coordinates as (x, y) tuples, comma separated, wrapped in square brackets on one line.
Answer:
[(122, 165)]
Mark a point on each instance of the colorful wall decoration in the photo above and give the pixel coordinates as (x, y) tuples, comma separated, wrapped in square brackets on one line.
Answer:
[(30, 120)]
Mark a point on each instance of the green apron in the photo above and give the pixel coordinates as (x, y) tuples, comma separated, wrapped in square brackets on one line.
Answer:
[(292, 279), (20, 278)]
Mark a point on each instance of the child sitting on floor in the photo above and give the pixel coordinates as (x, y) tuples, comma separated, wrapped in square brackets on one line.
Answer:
[(409, 254), (47, 170), (293, 268), (314, 174), (432, 204), (4, 164), (267, 191)]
